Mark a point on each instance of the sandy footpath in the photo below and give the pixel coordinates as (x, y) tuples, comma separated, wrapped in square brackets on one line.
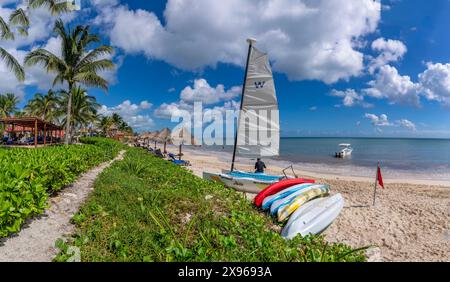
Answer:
[(410, 222), (36, 241)]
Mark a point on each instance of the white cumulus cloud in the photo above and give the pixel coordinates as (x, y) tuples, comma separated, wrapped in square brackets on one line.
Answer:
[(135, 115), (203, 92), (200, 91), (317, 40), (390, 51), (383, 121), (435, 82), (351, 98), (398, 89)]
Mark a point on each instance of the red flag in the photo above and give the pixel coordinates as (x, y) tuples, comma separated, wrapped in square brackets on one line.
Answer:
[(379, 177)]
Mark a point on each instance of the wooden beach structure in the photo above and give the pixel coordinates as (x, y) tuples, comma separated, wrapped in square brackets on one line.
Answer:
[(35, 126)]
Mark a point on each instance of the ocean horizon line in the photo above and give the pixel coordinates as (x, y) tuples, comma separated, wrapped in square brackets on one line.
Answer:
[(381, 138)]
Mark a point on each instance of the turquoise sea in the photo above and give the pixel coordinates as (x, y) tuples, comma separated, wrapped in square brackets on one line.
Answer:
[(427, 158)]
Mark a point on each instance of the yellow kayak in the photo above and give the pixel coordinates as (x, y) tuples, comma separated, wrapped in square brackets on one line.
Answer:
[(286, 211)]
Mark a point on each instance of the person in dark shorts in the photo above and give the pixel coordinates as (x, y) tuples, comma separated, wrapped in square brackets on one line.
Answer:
[(259, 166)]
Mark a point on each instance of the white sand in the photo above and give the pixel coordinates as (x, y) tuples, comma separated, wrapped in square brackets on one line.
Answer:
[(36, 241), (410, 221)]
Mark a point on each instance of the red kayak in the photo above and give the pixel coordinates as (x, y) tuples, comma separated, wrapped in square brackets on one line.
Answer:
[(279, 186)]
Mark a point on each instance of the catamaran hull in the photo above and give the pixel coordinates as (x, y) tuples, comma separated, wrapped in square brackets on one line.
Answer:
[(246, 185)]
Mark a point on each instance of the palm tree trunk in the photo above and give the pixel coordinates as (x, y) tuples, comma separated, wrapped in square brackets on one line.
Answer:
[(68, 136)]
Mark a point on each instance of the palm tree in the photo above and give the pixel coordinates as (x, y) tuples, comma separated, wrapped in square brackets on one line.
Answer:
[(8, 104), (83, 111), (116, 119), (77, 65), (44, 106), (56, 7), (6, 34), (105, 124), (19, 20)]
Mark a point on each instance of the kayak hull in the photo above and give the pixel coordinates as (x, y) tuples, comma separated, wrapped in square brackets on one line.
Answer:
[(286, 211), (246, 185), (313, 217), (279, 186), (284, 194), (286, 201)]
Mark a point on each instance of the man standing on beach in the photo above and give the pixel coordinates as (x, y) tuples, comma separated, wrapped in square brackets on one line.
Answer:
[(259, 166)]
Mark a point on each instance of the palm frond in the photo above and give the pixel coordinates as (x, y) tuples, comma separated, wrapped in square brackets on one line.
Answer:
[(96, 66), (92, 80), (5, 31), (55, 7), (37, 3), (23, 31), (12, 64), (46, 58), (18, 17), (59, 8), (96, 53), (58, 79)]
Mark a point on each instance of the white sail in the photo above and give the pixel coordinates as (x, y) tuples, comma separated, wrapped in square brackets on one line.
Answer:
[(258, 126)]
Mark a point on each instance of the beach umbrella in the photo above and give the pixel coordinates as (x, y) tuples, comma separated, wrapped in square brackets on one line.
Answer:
[(145, 136), (154, 137), (182, 136), (164, 137)]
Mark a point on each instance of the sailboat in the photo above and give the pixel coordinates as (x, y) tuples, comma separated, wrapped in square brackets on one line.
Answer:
[(258, 102)]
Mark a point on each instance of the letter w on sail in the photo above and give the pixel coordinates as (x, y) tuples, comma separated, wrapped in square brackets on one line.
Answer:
[(259, 84)]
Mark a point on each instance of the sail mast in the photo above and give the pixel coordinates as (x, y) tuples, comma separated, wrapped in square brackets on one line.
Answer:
[(250, 41)]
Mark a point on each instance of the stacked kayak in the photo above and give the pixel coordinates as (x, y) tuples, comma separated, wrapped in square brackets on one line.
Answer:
[(250, 182), (306, 206)]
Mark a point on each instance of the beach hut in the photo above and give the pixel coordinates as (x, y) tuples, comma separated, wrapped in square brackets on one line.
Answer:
[(34, 126)]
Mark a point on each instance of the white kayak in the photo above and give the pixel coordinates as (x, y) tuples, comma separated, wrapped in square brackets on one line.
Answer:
[(313, 217), (278, 204), (243, 181)]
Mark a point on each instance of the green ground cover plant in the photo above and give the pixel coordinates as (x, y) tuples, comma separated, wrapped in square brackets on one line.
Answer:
[(145, 209), (29, 176)]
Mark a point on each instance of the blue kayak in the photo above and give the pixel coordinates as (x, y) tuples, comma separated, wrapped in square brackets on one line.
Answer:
[(282, 194), (257, 176), (280, 203)]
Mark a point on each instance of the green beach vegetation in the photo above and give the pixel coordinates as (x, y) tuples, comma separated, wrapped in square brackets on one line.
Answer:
[(146, 209), (29, 176)]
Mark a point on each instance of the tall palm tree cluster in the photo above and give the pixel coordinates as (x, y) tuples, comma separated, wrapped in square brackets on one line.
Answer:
[(82, 59), (108, 124)]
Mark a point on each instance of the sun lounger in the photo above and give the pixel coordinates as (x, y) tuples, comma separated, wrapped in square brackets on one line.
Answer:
[(159, 154), (178, 162)]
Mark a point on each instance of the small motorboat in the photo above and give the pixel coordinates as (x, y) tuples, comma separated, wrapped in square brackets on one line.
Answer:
[(345, 151)]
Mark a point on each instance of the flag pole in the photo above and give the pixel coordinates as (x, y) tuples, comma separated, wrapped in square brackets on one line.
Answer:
[(375, 187), (250, 41)]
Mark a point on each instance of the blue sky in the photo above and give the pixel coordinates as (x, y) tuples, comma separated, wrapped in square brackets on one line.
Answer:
[(342, 68)]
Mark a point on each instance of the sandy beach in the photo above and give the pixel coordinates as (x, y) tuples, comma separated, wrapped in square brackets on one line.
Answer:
[(410, 221)]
